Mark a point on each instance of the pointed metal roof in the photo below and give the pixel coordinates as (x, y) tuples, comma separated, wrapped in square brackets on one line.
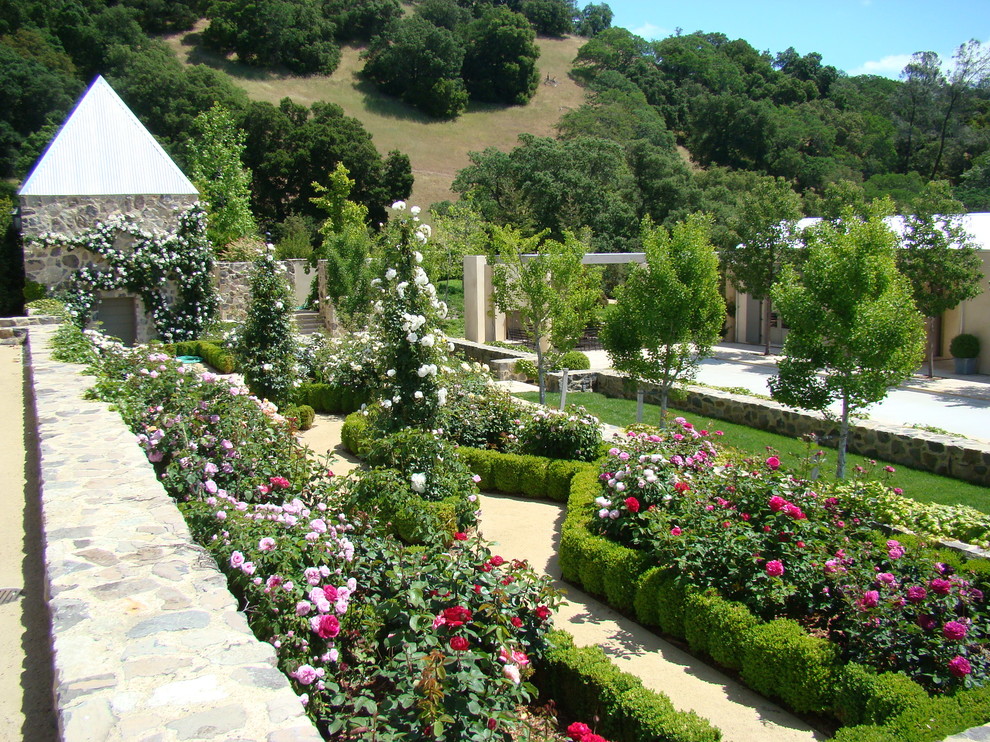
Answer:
[(102, 150)]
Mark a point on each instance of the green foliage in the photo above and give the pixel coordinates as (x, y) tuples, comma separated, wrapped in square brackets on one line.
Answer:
[(593, 19), (289, 147), (669, 313), (574, 360), (854, 330), (478, 413), (864, 696), (214, 156), (355, 434), (70, 345), (937, 256), (346, 247), (570, 434), (265, 343), (52, 307), (12, 286), (553, 293), (586, 684), (302, 414), (782, 660), (215, 355), (557, 185), (766, 225), (965, 346), (421, 64), (329, 398), (290, 33), (500, 56), (717, 627)]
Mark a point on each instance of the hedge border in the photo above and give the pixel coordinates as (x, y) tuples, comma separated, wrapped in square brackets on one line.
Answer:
[(630, 711), (777, 658)]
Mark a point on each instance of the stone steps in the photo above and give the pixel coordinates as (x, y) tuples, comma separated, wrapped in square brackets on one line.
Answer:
[(307, 323)]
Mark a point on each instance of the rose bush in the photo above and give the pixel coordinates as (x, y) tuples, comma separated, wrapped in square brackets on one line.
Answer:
[(786, 547)]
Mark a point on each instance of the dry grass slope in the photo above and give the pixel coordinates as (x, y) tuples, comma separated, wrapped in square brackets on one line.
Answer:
[(437, 149)]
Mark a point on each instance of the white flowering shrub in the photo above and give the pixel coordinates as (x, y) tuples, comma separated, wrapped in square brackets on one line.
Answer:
[(143, 264), (406, 323), (265, 343)]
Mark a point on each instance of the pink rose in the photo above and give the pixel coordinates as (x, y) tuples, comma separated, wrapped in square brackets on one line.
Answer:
[(954, 630), (266, 544), (773, 463), (305, 674), (774, 568), (959, 666), (236, 560)]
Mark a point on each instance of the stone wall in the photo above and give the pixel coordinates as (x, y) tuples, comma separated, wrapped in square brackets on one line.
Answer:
[(951, 456), (71, 215), (147, 641), (233, 281)]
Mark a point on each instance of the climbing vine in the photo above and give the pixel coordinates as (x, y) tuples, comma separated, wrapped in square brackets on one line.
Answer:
[(144, 264)]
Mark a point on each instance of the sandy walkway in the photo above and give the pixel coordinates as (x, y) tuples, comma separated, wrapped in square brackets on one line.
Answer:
[(531, 530), (25, 671), (324, 438)]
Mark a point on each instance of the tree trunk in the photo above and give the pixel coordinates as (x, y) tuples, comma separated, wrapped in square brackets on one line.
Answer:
[(663, 406), (840, 462), (930, 346), (766, 326), (540, 372)]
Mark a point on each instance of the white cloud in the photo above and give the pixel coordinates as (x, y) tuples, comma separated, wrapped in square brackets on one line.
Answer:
[(889, 66), (649, 32)]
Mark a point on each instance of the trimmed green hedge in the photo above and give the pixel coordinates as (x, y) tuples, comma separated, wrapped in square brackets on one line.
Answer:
[(776, 658), (304, 414), (586, 684), (213, 354), (330, 399)]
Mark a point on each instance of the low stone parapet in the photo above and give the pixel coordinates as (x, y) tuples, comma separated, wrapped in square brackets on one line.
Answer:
[(147, 641)]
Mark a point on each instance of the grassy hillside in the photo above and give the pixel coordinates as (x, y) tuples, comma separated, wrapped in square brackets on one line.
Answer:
[(437, 149)]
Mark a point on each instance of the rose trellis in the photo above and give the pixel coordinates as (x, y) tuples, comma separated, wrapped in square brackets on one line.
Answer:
[(143, 262)]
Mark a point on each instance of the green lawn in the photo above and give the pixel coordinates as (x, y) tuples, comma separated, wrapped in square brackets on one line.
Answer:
[(452, 292), (922, 486)]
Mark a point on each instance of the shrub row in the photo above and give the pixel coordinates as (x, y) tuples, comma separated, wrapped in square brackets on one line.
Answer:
[(586, 684), (213, 354), (533, 476), (330, 399), (776, 658)]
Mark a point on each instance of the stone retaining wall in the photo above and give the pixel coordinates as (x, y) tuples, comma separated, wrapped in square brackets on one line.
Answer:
[(147, 641), (233, 280)]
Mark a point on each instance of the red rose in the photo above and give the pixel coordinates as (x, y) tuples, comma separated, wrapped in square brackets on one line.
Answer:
[(328, 627), (497, 561), (542, 612), (632, 504), (459, 643), (460, 536), (578, 730), (682, 487), (456, 615), (516, 621)]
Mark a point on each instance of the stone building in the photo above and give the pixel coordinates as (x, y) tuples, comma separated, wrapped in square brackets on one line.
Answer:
[(103, 163)]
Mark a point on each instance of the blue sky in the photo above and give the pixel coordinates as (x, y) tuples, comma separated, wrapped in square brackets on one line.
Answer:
[(858, 36)]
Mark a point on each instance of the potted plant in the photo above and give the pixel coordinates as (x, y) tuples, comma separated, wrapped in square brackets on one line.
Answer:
[(965, 349)]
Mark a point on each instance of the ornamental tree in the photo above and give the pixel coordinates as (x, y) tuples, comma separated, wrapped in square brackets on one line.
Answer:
[(346, 246), (265, 344), (669, 312), (765, 225), (414, 349), (938, 257), (545, 281), (216, 169), (854, 329)]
